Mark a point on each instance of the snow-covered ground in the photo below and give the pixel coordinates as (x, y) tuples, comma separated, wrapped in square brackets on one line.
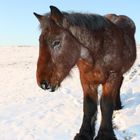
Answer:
[(29, 113)]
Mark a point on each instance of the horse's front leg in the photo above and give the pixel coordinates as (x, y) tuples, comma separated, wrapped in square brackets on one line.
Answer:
[(87, 130), (110, 90)]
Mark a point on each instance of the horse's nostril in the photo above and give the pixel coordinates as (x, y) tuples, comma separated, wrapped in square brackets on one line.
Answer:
[(44, 85)]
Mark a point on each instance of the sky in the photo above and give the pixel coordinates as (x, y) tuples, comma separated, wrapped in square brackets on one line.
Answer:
[(18, 26)]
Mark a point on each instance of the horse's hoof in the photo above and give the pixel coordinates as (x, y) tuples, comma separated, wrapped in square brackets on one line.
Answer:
[(81, 137), (102, 136)]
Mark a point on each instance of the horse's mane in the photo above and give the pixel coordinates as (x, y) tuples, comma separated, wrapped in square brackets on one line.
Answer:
[(89, 21)]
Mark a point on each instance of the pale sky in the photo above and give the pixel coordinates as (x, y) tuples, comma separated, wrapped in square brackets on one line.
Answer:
[(18, 26)]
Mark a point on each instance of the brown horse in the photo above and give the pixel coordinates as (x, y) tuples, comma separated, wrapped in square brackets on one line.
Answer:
[(103, 48)]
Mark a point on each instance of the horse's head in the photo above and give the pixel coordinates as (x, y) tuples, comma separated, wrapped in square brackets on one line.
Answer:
[(59, 51)]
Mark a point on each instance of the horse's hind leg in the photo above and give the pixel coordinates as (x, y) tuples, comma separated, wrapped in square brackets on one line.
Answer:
[(117, 98), (87, 130), (110, 88)]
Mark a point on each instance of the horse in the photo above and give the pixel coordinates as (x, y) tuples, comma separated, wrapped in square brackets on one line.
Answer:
[(102, 47)]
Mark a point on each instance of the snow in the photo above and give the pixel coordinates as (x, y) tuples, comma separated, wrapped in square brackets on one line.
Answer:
[(29, 113)]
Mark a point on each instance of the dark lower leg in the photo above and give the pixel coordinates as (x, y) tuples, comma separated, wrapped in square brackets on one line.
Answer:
[(117, 102), (109, 97), (106, 131), (87, 129), (107, 111)]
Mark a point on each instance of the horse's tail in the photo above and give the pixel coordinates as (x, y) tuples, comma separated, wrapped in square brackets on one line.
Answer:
[(124, 22)]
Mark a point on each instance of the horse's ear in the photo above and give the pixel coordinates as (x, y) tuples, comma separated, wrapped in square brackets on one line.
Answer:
[(56, 15), (39, 17)]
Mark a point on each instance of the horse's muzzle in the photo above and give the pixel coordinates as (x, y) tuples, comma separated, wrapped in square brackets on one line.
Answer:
[(46, 86)]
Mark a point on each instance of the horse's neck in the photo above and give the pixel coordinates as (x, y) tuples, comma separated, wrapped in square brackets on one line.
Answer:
[(83, 35), (92, 40)]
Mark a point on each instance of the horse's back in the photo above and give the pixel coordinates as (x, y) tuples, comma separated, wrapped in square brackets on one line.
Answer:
[(122, 22)]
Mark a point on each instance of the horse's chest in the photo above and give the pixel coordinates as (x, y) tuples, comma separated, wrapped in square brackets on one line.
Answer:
[(96, 74)]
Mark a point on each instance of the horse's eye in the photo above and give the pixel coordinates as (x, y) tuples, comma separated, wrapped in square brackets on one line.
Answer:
[(55, 44)]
